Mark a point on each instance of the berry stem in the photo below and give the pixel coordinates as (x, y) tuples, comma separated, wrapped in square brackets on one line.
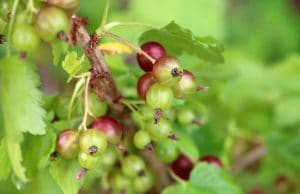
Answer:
[(129, 105), (77, 91), (10, 27), (86, 103), (175, 177), (104, 17), (121, 39), (111, 25)]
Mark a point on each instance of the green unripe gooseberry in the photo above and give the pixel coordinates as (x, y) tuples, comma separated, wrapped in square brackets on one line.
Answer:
[(50, 21), (25, 38)]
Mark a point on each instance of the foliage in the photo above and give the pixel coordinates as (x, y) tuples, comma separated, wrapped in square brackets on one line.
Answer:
[(251, 106)]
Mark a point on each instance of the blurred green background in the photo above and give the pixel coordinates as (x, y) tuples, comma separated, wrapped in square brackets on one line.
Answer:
[(254, 97)]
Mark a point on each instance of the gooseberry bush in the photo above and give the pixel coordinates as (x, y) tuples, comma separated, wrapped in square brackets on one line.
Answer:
[(128, 117)]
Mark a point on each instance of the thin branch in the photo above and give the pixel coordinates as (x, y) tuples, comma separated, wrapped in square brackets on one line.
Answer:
[(138, 49), (102, 82), (111, 25), (249, 158)]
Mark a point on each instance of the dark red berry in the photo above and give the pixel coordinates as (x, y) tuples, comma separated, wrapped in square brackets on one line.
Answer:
[(67, 143), (144, 84), (212, 160), (110, 127), (182, 167), (154, 50)]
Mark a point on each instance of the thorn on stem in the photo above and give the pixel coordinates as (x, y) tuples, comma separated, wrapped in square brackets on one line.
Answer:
[(81, 173), (94, 40)]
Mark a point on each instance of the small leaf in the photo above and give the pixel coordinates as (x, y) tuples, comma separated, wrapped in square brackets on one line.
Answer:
[(213, 179), (178, 40), (64, 173), (114, 48), (72, 64), (59, 49), (4, 160)]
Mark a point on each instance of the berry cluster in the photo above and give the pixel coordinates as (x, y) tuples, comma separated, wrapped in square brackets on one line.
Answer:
[(164, 79), (89, 145), (94, 148), (50, 23)]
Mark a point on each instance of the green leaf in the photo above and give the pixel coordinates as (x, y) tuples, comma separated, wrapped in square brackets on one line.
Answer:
[(21, 106), (72, 64), (37, 150), (21, 100), (186, 188), (186, 144), (177, 40), (287, 111), (64, 173), (59, 49), (213, 179), (4, 161)]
